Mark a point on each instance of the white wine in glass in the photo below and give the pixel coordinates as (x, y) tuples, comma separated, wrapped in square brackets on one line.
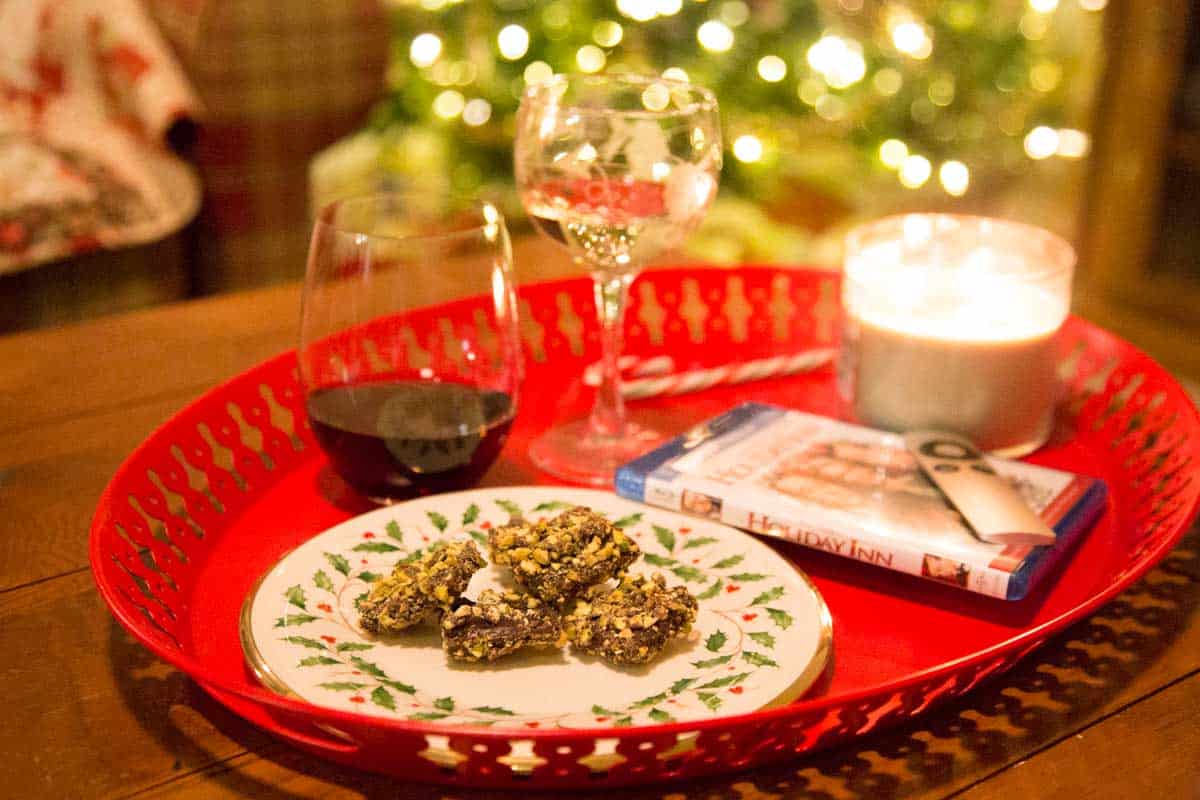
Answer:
[(617, 169)]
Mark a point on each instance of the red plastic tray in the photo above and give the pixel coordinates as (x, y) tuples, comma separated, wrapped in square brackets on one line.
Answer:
[(232, 482)]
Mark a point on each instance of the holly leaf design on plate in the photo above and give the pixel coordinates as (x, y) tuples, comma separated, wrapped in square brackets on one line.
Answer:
[(689, 574), (726, 563), (321, 581), (510, 507), (398, 686), (658, 715), (375, 547), (709, 699), (368, 576), (728, 680), (383, 698), (623, 722), (681, 684), (712, 662), (342, 686), (349, 647), (715, 642), (712, 591), (293, 619), (339, 563), (359, 599), (415, 555), (604, 712), (651, 700), (392, 529), (780, 617), (495, 710), (658, 561), (758, 659), (763, 638), (665, 537), (304, 641), (699, 541), (747, 576), (551, 505), (625, 522), (439, 521), (366, 666), (313, 661), (479, 536), (444, 703), (295, 596), (428, 715), (768, 596), (470, 515)]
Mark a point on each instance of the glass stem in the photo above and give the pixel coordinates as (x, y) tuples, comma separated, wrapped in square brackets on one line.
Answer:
[(608, 413)]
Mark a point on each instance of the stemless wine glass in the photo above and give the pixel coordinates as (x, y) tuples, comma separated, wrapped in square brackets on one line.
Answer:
[(617, 169), (409, 348)]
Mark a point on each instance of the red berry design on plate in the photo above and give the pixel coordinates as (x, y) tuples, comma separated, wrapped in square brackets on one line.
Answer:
[(749, 617), (695, 561), (601, 719), (735, 690), (685, 531), (329, 639), (328, 609), (733, 587), (485, 525), (368, 535), (531, 724), (358, 699)]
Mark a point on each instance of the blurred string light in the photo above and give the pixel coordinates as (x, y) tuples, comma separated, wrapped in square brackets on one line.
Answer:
[(811, 90), (888, 81), (1044, 76), (840, 61), (639, 10), (734, 13), (1093, 5), (892, 153), (1033, 26), (914, 171), (537, 71), (831, 108), (425, 49), (911, 39), (1041, 142), (1072, 143), (607, 33), (448, 104), (715, 36), (954, 177), (747, 148), (675, 74), (477, 111), (1043, 6), (513, 41), (772, 68), (590, 58), (667, 8)]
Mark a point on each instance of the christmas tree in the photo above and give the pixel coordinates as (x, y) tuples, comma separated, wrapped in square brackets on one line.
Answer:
[(830, 107)]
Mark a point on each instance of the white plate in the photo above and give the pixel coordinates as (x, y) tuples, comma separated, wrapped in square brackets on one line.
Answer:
[(762, 636)]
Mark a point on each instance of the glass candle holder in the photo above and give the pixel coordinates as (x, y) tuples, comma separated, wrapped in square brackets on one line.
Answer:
[(952, 323)]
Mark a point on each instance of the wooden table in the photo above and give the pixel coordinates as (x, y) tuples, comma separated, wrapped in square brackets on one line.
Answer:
[(1110, 708)]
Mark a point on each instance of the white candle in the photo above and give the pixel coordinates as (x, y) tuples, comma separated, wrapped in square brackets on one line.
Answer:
[(951, 322)]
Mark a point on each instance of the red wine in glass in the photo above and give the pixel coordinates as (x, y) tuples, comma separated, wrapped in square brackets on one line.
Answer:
[(393, 440)]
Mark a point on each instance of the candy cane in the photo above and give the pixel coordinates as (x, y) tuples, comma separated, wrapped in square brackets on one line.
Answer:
[(737, 372)]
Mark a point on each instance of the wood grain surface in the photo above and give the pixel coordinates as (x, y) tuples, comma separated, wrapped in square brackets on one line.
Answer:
[(1109, 708)]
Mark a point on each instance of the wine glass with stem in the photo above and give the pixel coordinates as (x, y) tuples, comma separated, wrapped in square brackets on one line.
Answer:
[(617, 169)]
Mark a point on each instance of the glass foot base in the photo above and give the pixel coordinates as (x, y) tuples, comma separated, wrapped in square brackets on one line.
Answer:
[(572, 452)]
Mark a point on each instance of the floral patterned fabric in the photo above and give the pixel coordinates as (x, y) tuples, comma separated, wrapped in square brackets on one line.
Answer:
[(88, 91)]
